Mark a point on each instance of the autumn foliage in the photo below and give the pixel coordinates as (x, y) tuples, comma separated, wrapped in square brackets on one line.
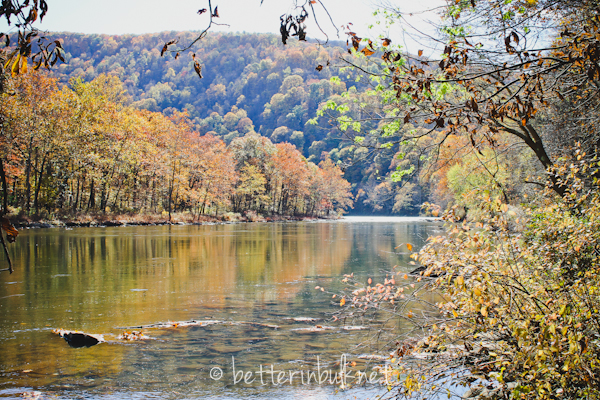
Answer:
[(80, 148)]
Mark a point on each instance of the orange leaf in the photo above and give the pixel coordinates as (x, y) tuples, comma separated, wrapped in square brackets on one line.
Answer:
[(11, 231), (342, 302), (367, 52)]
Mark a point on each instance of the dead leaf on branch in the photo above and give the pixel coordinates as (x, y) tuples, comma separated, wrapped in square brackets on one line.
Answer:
[(197, 66), (293, 26), (11, 231), (166, 46)]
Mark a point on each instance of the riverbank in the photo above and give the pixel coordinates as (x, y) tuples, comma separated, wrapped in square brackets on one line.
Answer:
[(133, 219)]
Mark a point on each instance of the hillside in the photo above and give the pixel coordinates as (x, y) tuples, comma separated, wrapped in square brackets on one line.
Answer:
[(251, 82)]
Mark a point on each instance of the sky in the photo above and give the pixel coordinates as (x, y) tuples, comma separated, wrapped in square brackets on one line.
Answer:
[(148, 16)]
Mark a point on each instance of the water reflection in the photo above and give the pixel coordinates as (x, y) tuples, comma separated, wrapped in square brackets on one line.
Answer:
[(98, 279)]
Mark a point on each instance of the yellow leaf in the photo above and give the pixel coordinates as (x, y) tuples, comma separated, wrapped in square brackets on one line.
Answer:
[(409, 246), (15, 67), (484, 311), (460, 280), (477, 292), (23, 65)]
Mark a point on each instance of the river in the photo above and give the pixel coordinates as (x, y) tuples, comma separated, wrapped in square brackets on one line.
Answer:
[(250, 288)]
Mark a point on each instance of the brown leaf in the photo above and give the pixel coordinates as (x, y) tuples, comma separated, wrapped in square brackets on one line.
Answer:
[(202, 11), (515, 36), (420, 53), (166, 46), (319, 67), (11, 231), (216, 13), (367, 52), (386, 42), (197, 66)]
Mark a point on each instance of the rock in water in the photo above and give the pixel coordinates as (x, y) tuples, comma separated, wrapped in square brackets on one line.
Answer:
[(79, 339)]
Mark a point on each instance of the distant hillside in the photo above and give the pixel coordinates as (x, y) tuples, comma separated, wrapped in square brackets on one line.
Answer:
[(251, 82), (275, 85)]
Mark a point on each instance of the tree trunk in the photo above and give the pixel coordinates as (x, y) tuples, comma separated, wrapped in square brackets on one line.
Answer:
[(27, 183), (92, 201), (171, 187), (4, 188), (38, 186), (76, 202)]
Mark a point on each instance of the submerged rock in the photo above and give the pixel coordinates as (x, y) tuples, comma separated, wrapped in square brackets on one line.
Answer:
[(133, 335), (316, 328), (303, 319)]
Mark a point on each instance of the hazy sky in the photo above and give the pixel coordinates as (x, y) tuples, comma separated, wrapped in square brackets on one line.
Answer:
[(147, 16)]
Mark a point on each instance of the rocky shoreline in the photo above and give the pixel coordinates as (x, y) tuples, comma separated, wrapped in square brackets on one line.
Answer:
[(112, 221)]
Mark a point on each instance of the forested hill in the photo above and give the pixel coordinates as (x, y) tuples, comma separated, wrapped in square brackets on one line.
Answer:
[(274, 85), (251, 82)]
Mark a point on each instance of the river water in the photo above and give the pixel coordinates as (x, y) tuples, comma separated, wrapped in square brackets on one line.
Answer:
[(250, 288)]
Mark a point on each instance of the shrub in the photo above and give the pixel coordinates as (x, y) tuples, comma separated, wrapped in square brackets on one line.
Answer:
[(519, 315)]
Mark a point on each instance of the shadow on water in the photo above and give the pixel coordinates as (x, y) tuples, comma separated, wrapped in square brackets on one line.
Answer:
[(248, 277)]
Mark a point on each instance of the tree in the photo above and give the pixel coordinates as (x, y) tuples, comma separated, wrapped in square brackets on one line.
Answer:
[(499, 70), (290, 178), (22, 14), (333, 191)]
